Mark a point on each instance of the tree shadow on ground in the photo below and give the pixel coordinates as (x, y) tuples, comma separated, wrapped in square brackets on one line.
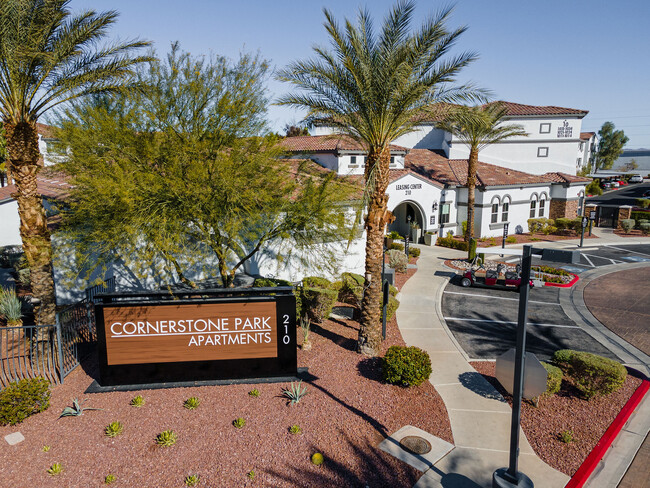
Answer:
[(357, 463), (370, 368), (478, 384), (338, 339)]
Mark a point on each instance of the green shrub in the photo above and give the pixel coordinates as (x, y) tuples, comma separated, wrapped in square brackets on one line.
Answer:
[(397, 246), (395, 235), (628, 225), (414, 252), (23, 398), (270, 283), (541, 225), (316, 282), (645, 228), (110, 478), (55, 469), (192, 403), (254, 393), (563, 223), (511, 240), (295, 430), (591, 374), (351, 290), (10, 255), (317, 459), (566, 436), (317, 303), (640, 215), (239, 423), (550, 270), (576, 224), (10, 307), (449, 241), (643, 202), (406, 366), (137, 401), (553, 379), (397, 260), (594, 188), (192, 480)]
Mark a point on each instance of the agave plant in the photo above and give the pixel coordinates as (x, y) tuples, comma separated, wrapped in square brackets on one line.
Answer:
[(295, 392), (10, 307), (76, 409), (113, 429)]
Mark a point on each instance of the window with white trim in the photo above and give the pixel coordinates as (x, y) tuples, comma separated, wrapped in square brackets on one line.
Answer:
[(495, 212), (542, 204), (353, 161), (542, 152), (505, 208), (533, 207), (444, 213)]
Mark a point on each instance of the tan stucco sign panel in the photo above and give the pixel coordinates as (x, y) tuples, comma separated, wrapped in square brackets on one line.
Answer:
[(190, 332)]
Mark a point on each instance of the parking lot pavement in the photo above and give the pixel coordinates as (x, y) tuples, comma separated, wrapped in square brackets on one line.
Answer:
[(484, 321), (597, 256)]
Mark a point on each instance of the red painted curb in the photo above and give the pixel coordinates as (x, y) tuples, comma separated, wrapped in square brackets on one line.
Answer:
[(564, 285), (587, 467)]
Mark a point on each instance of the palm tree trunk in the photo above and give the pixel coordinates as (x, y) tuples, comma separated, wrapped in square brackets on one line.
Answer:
[(472, 163), (369, 341), (22, 147)]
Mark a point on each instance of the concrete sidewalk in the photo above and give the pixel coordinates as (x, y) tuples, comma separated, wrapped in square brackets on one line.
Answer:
[(479, 416)]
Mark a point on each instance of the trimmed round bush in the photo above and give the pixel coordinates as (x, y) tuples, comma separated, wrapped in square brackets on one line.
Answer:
[(406, 366), (553, 380), (391, 307), (316, 282), (645, 228), (317, 303), (590, 373), (270, 283), (414, 252)]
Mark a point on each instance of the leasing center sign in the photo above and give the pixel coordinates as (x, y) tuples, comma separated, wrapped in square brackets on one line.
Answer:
[(196, 340)]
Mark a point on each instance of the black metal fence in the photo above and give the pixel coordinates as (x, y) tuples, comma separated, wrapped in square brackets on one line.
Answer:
[(29, 351), (51, 351)]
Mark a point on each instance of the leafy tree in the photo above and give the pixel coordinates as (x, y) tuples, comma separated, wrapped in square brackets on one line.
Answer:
[(175, 180), (294, 130), (594, 188), (610, 146), (478, 127), (47, 57), (373, 87), (631, 165)]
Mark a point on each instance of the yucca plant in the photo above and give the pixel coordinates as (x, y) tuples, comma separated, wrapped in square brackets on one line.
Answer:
[(109, 479), (45, 448), (166, 438), (192, 403), (251, 474), (254, 393), (10, 307), (295, 429), (239, 423), (192, 480), (295, 392), (113, 429), (55, 469), (305, 325), (137, 401)]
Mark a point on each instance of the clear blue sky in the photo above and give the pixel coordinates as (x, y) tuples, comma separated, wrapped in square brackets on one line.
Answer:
[(586, 54)]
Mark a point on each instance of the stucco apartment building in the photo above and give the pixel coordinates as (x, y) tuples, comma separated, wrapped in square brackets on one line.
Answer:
[(518, 179)]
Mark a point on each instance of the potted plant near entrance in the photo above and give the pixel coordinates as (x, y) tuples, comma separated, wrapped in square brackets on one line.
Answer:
[(416, 232), (430, 238), (391, 237)]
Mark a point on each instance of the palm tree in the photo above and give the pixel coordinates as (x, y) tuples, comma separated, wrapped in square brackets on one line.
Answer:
[(49, 57), (374, 88), (477, 127)]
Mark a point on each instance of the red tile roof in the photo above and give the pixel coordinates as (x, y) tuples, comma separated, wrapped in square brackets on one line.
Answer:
[(585, 136), (51, 185), (557, 177), (437, 111), (327, 143), (45, 130), (434, 166)]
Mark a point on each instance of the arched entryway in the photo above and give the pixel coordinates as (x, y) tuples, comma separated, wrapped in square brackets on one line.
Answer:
[(407, 215)]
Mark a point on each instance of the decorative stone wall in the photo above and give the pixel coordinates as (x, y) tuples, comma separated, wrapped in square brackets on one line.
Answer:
[(563, 209), (624, 212)]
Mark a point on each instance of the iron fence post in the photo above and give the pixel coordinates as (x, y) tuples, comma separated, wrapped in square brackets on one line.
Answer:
[(59, 347)]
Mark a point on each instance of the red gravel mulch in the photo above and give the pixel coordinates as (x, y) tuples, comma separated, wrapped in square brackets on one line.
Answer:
[(345, 415), (588, 420)]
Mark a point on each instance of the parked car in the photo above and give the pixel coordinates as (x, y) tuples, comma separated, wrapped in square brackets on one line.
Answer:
[(636, 179), (647, 193)]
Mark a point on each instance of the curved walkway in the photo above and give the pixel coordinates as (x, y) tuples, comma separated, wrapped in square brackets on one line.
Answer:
[(479, 416)]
